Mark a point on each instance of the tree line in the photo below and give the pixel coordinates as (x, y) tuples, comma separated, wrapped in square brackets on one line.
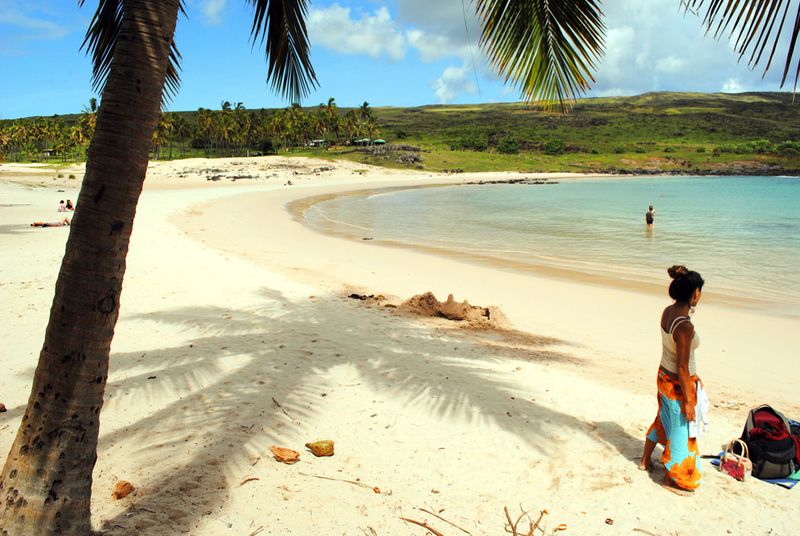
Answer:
[(233, 130)]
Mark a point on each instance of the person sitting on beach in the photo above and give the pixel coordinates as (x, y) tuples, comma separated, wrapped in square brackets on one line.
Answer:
[(677, 383), (650, 216), (70, 206), (60, 223), (61, 206)]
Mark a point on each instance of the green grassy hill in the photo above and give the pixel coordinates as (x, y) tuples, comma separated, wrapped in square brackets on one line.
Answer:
[(672, 132)]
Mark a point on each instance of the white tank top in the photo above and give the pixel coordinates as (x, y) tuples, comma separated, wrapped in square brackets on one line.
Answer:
[(669, 351)]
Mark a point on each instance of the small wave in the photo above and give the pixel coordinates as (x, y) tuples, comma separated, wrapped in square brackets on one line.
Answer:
[(321, 214)]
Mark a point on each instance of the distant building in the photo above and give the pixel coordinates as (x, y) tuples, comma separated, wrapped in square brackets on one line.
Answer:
[(318, 143)]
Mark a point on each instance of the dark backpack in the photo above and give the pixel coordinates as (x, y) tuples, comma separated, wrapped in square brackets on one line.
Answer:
[(775, 456)]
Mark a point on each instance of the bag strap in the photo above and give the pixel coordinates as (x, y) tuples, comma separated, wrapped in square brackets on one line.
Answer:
[(745, 450)]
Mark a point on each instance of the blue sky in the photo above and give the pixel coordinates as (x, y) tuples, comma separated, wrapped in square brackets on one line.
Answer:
[(390, 53)]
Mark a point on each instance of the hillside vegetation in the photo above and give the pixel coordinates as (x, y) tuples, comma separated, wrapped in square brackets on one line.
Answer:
[(655, 132), (748, 133)]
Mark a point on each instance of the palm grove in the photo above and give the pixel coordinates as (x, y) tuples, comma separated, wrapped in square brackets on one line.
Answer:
[(233, 130), (549, 50)]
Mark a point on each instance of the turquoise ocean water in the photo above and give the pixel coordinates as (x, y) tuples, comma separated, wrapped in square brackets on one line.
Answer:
[(741, 233)]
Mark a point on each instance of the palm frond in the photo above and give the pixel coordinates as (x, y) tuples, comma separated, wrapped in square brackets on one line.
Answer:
[(281, 23), (101, 38), (757, 26), (547, 48)]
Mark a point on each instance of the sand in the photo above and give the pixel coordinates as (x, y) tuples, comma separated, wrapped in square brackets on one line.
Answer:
[(236, 333)]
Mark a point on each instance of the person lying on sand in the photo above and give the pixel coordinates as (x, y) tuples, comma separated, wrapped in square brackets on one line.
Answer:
[(61, 223), (677, 387)]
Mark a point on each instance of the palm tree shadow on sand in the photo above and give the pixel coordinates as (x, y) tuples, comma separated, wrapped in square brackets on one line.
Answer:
[(252, 378)]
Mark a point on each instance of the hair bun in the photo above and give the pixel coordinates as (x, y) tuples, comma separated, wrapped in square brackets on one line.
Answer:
[(677, 271)]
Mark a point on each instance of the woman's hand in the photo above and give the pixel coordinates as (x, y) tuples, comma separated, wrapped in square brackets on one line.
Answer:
[(689, 411)]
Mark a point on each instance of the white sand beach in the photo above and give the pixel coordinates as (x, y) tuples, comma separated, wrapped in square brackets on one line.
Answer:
[(236, 333)]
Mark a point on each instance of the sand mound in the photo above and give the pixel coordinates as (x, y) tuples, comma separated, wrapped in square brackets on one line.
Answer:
[(472, 315)]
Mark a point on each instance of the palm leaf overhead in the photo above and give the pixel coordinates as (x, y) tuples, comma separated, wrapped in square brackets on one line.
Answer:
[(756, 24), (101, 37), (547, 48), (282, 24)]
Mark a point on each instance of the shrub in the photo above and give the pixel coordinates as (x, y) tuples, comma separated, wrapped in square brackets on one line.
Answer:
[(471, 141), (669, 149), (71, 176), (508, 145), (594, 151), (619, 149), (761, 146), (701, 149), (754, 146), (789, 148), (553, 147), (639, 149), (725, 148)]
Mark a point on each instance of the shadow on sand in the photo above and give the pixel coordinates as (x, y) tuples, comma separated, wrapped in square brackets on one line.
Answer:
[(223, 389)]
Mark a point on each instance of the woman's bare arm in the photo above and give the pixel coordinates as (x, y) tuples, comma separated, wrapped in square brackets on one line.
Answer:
[(683, 335)]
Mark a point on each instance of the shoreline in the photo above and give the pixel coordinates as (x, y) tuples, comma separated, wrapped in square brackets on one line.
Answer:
[(294, 249), (235, 334), (298, 207)]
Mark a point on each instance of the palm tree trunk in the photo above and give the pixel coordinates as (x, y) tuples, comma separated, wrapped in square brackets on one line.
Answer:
[(45, 485)]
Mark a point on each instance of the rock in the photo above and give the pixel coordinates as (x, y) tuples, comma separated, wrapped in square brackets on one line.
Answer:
[(122, 489), (321, 448), (3, 408), (284, 455)]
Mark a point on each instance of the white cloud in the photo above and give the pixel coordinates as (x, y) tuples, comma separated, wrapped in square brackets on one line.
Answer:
[(621, 54), (373, 35), (655, 45), (733, 85), (650, 46), (670, 64), (431, 47), (40, 28), (435, 30), (454, 80), (441, 29), (211, 10)]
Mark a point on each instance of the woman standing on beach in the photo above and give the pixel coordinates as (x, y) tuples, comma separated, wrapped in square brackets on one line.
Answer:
[(677, 386)]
